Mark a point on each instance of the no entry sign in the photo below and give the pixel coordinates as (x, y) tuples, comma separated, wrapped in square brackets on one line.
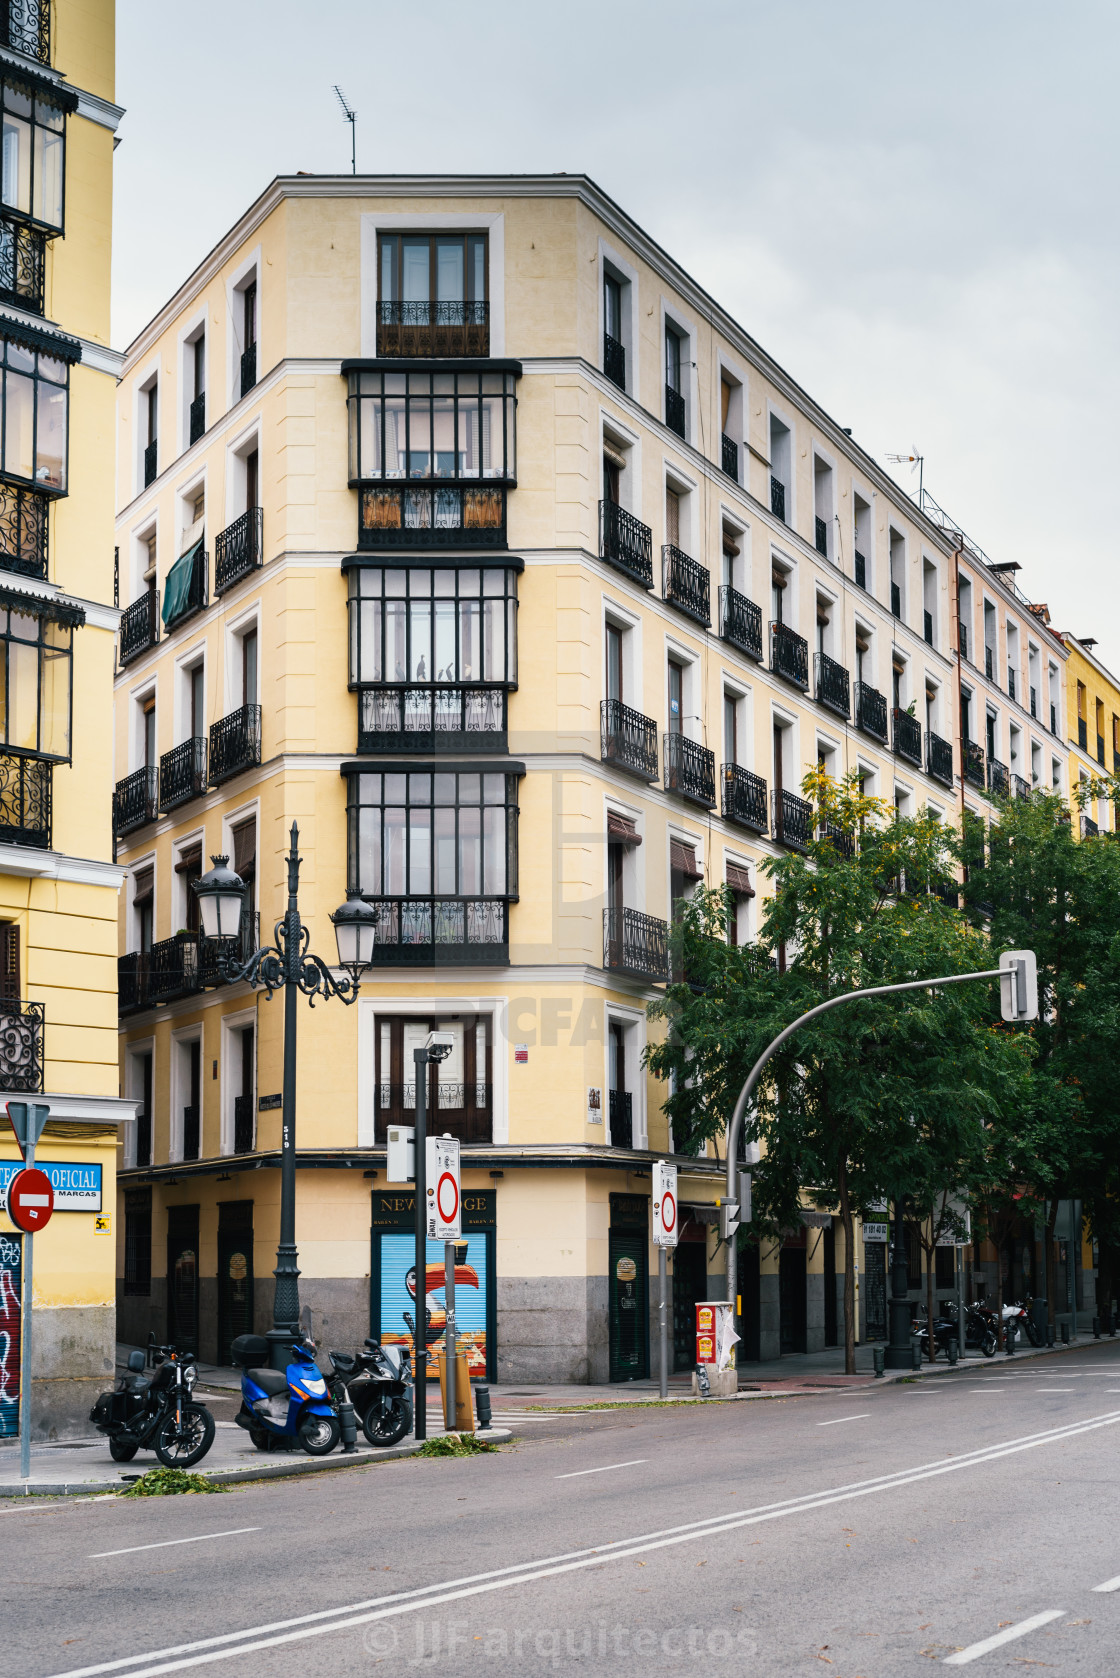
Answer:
[(666, 1214), (30, 1200), (444, 1191)]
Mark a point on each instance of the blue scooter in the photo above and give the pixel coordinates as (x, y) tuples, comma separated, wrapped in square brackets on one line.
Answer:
[(283, 1409)]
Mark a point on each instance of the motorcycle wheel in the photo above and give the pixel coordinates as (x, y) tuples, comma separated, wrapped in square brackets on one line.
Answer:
[(988, 1344), (319, 1435), (177, 1449), (121, 1451), (385, 1427)]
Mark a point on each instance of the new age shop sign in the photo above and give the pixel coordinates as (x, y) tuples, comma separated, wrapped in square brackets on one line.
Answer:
[(77, 1188)]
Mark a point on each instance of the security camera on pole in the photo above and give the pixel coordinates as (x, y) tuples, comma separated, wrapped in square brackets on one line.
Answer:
[(666, 1226)]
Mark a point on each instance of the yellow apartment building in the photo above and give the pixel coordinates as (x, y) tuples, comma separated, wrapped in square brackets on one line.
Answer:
[(1093, 706), (58, 877), (460, 525)]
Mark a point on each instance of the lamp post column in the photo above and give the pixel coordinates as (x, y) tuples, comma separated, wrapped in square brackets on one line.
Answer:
[(285, 1309), (420, 1260), (899, 1354)]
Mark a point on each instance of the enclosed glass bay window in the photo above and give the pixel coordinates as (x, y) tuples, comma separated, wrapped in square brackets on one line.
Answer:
[(32, 150), (411, 624), (418, 834), (36, 658), (35, 416), (432, 425)]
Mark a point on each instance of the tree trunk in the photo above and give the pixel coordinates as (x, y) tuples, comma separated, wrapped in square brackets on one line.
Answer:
[(931, 1291), (1001, 1338), (1051, 1265), (846, 1222)]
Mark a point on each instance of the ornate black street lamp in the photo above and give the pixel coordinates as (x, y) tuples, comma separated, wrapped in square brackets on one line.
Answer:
[(289, 966)]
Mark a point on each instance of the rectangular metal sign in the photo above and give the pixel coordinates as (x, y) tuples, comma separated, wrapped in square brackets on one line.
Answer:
[(666, 1212), (400, 1154), (444, 1209), (876, 1232), (77, 1187)]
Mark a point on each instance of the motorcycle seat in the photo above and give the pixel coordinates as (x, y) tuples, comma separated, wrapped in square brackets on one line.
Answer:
[(270, 1381)]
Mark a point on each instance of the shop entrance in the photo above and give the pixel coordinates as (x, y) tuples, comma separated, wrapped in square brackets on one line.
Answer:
[(690, 1288), (235, 1273), (875, 1289), (750, 1286), (791, 1292), (628, 1288), (182, 1278)]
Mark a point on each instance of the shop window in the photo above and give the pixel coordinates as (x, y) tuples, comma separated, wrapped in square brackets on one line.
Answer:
[(459, 1089)]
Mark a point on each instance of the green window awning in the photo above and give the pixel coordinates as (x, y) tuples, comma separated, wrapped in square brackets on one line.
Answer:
[(177, 588)]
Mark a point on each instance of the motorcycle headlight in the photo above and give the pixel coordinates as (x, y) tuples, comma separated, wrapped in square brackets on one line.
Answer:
[(190, 1375)]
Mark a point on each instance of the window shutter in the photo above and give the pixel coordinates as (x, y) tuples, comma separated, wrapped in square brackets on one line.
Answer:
[(738, 878), (682, 859), (672, 518), (244, 838), (9, 962), (189, 860), (621, 831), (145, 885)]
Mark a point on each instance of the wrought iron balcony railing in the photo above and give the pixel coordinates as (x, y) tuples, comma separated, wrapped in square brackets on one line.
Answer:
[(441, 932), (192, 1132), (820, 532), (136, 800), (173, 968), (198, 416), (907, 736), (243, 1124), (132, 982), (871, 711), (896, 600), (1089, 828), (841, 841), (432, 515), (196, 596), (21, 1046), (622, 1119), (627, 739), (744, 798), (436, 329), (395, 719), (614, 360), (791, 820), (214, 953), (23, 531), (685, 584), (25, 26), (626, 542), (248, 369), (778, 499), (999, 783), (789, 654), (1019, 787), (635, 943), (674, 410), (973, 764), (465, 1110), (833, 685), (740, 622), (690, 769), (235, 743), (23, 258), (182, 773), (25, 801), (151, 460), (239, 549), (180, 966), (139, 628), (939, 758), (730, 453), (860, 570)]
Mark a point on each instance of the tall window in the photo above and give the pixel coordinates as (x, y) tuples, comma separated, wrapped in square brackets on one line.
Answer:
[(33, 150), (196, 694), (142, 906), (614, 661), (36, 654), (433, 835), (730, 728), (148, 723), (459, 1089), (36, 404), (612, 308), (249, 315), (444, 625), (448, 268), (676, 697), (249, 667)]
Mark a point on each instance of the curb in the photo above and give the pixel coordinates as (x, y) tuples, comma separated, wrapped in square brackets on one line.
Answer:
[(281, 1470)]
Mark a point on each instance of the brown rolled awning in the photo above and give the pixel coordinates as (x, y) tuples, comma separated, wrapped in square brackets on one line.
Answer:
[(738, 878), (244, 838), (682, 859), (189, 860), (621, 831), (145, 885)]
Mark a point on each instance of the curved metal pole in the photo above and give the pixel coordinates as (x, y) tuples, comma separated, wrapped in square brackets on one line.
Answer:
[(756, 1071)]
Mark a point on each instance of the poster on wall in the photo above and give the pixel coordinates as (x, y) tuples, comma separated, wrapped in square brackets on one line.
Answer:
[(11, 1288), (398, 1295)]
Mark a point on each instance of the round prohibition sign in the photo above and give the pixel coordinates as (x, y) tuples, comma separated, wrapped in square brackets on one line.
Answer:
[(447, 1198), (668, 1212)]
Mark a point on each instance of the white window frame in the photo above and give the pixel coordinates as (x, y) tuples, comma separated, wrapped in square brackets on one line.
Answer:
[(152, 374), (196, 326), (135, 1088), (181, 1038), (371, 224), (227, 1086), (672, 316), (235, 630), (469, 1008), (633, 1022), (627, 275)]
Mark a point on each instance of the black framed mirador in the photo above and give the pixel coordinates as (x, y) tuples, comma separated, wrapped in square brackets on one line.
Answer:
[(36, 658)]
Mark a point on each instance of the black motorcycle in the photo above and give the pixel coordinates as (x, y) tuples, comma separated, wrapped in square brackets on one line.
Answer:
[(156, 1413), (378, 1383)]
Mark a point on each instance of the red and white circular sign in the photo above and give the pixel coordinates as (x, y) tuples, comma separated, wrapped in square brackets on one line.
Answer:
[(668, 1211), (447, 1198), (30, 1200)]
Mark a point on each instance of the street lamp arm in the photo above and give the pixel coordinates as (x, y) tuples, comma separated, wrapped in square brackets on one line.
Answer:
[(274, 966)]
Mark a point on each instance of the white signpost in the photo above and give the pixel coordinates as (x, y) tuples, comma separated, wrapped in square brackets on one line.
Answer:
[(444, 1212), (666, 1230)]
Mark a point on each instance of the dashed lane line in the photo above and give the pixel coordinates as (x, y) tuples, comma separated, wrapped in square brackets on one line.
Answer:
[(1008, 1635)]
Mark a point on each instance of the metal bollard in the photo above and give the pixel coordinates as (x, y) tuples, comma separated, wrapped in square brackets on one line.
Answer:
[(953, 1349), (916, 1353), (482, 1406), (1065, 1334), (1096, 1328), (1050, 1340), (879, 1353), (348, 1422), (1009, 1338)]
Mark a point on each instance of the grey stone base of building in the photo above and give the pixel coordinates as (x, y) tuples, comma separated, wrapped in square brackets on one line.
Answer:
[(72, 1362)]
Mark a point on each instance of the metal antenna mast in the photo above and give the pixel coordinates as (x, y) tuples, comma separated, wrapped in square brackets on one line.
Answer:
[(351, 117)]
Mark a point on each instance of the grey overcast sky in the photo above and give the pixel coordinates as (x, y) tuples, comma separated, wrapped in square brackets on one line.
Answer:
[(912, 207)]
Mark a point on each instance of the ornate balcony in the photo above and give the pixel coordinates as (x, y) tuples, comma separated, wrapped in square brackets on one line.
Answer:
[(792, 820), (730, 456), (248, 369), (182, 773), (841, 841), (136, 800), (674, 410), (744, 798), (173, 968), (690, 769), (25, 26), (214, 952), (441, 932), (243, 1124), (23, 531), (907, 737), (833, 685), (626, 543), (132, 982), (22, 265), (622, 1119), (198, 416), (180, 966), (432, 719), (432, 515), (433, 329), (235, 743), (939, 758), (21, 1047), (999, 782), (636, 944), (871, 711), (614, 361), (973, 764), (789, 654), (187, 592), (685, 584), (778, 499), (239, 549), (627, 739), (1089, 828), (25, 801), (740, 622), (139, 627), (820, 533), (1019, 787)]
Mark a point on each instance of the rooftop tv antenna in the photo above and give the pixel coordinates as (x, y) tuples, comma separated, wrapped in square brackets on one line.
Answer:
[(914, 460), (351, 117)]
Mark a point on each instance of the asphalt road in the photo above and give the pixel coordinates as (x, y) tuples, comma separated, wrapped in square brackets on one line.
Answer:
[(862, 1534)]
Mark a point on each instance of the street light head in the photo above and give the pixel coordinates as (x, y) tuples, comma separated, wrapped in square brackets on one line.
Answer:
[(439, 1044), (221, 896), (355, 930)]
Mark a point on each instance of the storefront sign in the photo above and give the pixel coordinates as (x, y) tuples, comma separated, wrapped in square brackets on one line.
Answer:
[(77, 1188), (876, 1232)]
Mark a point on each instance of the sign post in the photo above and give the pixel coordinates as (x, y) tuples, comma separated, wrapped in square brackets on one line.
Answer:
[(666, 1228), (27, 1192), (445, 1221)]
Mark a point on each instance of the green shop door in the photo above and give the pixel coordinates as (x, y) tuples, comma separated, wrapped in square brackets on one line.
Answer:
[(235, 1274), (182, 1278), (629, 1306)]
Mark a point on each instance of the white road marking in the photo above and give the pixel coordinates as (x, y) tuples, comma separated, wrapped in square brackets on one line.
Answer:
[(208, 1649), (975, 1650), (1109, 1585), (1055, 1389), (579, 1472), (862, 1417), (235, 1532)]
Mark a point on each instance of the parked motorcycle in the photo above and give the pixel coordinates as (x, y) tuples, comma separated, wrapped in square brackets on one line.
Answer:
[(283, 1409), (378, 1383), (156, 1413), (979, 1330), (944, 1333), (1023, 1318)]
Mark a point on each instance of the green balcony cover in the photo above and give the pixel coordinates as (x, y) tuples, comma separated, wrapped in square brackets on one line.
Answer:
[(178, 585)]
